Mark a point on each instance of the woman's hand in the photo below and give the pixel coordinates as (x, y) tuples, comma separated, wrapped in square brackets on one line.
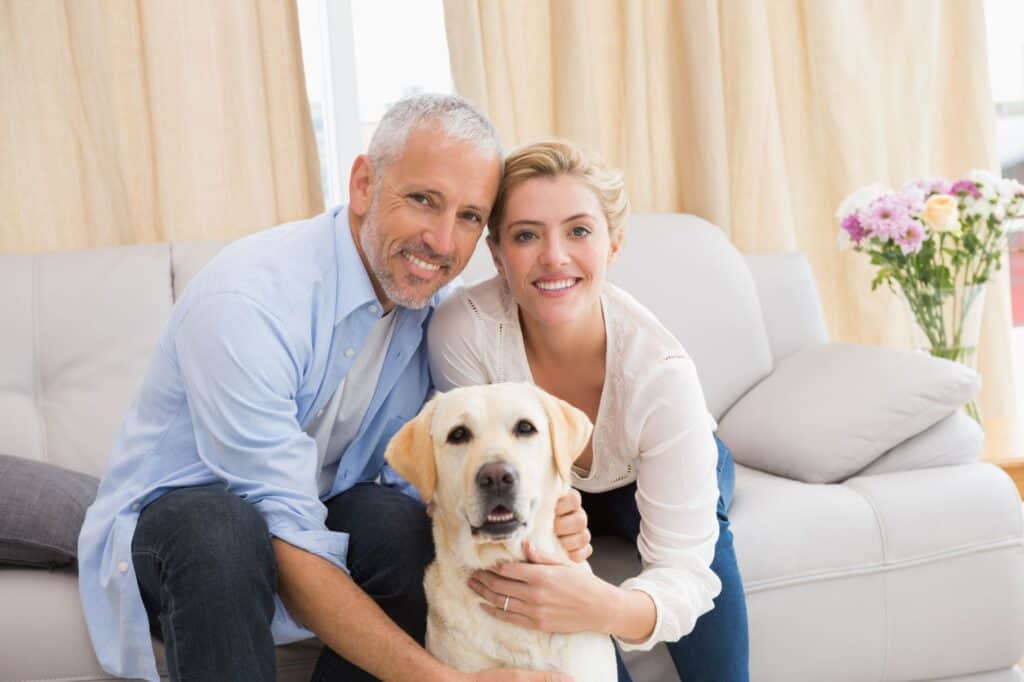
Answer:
[(571, 526), (546, 595)]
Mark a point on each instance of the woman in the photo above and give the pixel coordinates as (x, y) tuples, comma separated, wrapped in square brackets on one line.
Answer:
[(653, 468)]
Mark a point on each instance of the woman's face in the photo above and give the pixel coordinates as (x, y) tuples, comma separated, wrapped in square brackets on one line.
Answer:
[(554, 249)]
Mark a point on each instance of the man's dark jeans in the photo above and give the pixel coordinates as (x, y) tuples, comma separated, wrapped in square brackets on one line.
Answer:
[(207, 574)]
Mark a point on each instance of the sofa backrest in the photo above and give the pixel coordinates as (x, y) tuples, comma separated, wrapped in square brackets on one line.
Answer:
[(80, 327), (79, 330)]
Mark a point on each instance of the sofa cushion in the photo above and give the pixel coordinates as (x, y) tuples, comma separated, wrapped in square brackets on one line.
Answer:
[(41, 512), (45, 638), (827, 412)]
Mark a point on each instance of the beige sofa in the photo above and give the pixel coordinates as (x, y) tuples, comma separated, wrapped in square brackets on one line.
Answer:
[(889, 575)]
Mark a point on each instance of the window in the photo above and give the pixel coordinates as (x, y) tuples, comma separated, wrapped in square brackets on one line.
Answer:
[(358, 61)]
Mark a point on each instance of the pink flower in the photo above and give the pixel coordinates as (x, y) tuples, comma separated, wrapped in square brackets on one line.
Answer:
[(911, 199), (853, 227), (929, 186), (911, 239), (965, 187), (885, 218)]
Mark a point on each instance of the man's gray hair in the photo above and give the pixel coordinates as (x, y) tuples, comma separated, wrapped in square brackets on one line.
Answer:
[(457, 117)]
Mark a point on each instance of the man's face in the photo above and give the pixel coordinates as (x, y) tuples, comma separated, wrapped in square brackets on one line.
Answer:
[(417, 227)]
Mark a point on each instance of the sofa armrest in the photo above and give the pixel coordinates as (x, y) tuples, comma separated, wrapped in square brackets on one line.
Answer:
[(957, 439)]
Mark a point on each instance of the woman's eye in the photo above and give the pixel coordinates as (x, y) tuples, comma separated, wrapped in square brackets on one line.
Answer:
[(524, 237), (460, 434), (525, 428), (580, 231)]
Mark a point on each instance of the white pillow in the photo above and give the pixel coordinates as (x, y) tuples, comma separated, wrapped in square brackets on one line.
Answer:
[(827, 412)]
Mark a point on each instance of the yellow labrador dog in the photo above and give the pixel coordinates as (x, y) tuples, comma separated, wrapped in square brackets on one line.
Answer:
[(493, 461)]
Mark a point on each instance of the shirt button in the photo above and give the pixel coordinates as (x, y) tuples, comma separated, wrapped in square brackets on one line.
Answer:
[(135, 507), (349, 352), (374, 309), (123, 567)]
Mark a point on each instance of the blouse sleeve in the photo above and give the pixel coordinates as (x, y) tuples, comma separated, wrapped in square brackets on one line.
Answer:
[(677, 497), (454, 347)]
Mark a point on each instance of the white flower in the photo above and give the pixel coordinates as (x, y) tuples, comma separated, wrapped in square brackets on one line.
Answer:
[(983, 176), (859, 200), (1008, 187)]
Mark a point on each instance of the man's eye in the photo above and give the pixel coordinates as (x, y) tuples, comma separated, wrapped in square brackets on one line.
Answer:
[(524, 237), (473, 217), (460, 434), (525, 428), (421, 199)]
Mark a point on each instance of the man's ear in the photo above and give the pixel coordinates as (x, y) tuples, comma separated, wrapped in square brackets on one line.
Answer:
[(411, 453), (570, 430), (360, 185), (495, 255)]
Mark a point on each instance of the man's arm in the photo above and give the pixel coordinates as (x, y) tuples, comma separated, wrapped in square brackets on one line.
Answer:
[(326, 600)]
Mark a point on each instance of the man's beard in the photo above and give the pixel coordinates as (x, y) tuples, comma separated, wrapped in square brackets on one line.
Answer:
[(373, 248)]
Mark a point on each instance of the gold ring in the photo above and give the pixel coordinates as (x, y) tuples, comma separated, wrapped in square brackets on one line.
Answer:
[(505, 606)]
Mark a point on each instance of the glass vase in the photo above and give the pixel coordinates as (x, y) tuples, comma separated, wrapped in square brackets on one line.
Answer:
[(947, 324)]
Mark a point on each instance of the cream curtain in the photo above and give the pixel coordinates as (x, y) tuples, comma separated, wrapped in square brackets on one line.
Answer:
[(125, 121), (759, 116)]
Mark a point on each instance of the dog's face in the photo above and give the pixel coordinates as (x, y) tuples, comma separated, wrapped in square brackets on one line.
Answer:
[(490, 457)]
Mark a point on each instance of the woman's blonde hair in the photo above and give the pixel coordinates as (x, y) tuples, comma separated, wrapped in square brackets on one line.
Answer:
[(552, 159)]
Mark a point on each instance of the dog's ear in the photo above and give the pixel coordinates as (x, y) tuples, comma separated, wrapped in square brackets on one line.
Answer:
[(570, 430), (411, 453)]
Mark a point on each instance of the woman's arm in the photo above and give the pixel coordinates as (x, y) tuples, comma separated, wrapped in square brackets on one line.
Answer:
[(677, 495)]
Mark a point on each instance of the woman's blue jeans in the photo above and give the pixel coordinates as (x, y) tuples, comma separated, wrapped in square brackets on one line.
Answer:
[(717, 650)]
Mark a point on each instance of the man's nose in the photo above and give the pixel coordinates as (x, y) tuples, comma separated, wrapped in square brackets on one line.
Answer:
[(497, 478), (440, 236)]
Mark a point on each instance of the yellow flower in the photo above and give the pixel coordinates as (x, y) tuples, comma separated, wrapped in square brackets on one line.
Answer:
[(941, 214)]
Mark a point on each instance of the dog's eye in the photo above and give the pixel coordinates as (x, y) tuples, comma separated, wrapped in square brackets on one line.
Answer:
[(460, 434), (525, 428)]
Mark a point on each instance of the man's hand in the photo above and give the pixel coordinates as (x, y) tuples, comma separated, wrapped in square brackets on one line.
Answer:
[(571, 526)]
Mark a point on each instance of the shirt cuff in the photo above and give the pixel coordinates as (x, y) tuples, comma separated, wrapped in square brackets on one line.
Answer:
[(647, 644)]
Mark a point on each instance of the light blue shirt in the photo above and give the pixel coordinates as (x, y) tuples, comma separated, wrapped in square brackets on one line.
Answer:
[(255, 347)]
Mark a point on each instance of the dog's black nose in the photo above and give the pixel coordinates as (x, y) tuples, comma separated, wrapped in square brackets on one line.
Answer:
[(497, 478)]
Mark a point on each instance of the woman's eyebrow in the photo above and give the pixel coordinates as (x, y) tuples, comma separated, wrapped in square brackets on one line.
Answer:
[(578, 216)]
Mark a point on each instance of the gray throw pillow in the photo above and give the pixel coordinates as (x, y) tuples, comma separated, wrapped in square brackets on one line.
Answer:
[(41, 512), (827, 412)]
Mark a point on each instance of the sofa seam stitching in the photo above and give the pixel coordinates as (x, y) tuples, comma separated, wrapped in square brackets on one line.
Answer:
[(885, 581), (37, 383), (871, 569)]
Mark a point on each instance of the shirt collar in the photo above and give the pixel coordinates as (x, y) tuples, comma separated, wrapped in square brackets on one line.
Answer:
[(354, 286)]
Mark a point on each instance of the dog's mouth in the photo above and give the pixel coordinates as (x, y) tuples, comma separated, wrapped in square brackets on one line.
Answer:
[(499, 523)]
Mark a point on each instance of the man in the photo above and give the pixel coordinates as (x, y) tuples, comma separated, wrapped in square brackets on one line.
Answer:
[(246, 502)]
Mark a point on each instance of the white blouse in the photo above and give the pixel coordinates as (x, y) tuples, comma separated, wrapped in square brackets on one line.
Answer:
[(652, 426)]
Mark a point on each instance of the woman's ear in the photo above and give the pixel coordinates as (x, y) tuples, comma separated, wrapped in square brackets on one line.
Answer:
[(499, 264), (360, 185), (616, 244)]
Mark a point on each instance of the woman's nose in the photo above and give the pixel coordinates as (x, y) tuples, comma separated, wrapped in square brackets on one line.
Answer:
[(553, 253)]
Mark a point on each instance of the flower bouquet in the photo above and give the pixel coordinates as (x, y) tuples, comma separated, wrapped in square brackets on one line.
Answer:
[(936, 242)]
